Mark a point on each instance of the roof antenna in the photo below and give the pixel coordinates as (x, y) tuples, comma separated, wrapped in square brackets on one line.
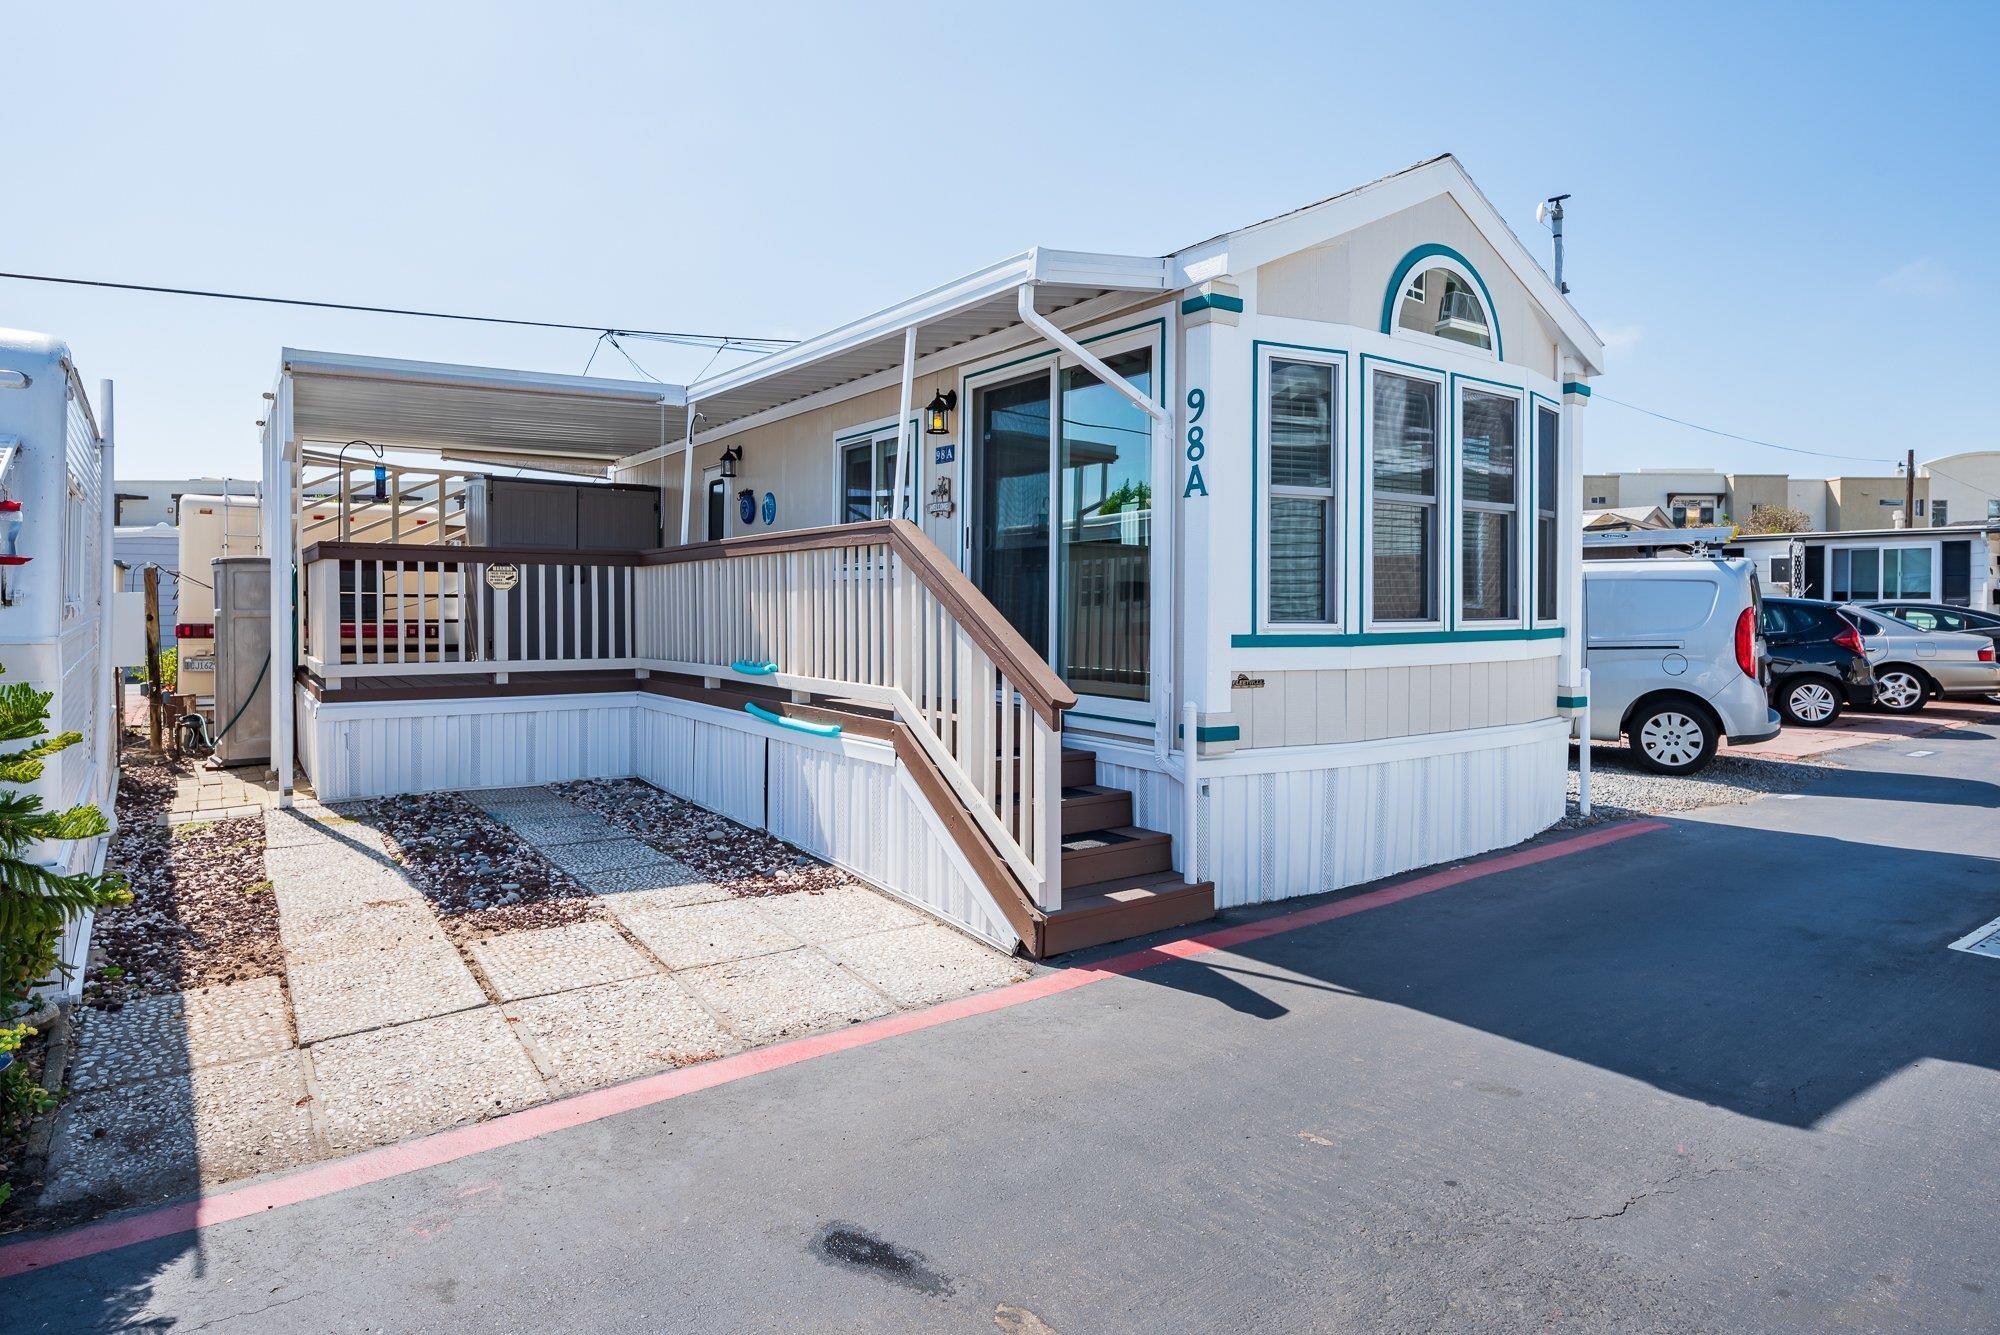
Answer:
[(1549, 213)]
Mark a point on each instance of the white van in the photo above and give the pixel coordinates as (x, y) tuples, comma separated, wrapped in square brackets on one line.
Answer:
[(1677, 658)]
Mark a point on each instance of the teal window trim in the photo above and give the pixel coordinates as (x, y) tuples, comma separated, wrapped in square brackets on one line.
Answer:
[(1520, 394), (1435, 251), (1576, 387), (1536, 401), (1220, 732), (1212, 301), (1445, 463), (1257, 352), (1376, 637)]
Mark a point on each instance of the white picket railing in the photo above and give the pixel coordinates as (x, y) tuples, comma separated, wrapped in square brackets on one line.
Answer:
[(348, 499), (423, 611), (867, 613)]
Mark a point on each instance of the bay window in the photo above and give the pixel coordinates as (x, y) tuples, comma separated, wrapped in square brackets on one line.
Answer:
[(1403, 523), (1304, 517), (1548, 502), (1489, 470)]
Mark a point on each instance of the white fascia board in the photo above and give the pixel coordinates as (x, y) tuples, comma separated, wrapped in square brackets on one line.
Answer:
[(341, 365), (1066, 268), (1243, 251), (1080, 316)]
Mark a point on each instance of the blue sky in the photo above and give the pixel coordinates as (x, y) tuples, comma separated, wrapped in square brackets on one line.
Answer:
[(1781, 218)]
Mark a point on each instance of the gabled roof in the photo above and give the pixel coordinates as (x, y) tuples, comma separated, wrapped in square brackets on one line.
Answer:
[(1288, 233)]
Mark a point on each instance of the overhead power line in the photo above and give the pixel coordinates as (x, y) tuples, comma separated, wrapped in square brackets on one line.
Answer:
[(743, 342), (1748, 440)]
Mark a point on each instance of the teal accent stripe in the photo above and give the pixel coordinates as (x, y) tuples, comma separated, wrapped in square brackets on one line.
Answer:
[(1572, 701), (1221, 732), (1212, 301), (1576, 387), (1393, 637), (1401, 280), (795, 724)]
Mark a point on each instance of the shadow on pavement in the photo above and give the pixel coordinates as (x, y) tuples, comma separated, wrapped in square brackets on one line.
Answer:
[(1777, 975)]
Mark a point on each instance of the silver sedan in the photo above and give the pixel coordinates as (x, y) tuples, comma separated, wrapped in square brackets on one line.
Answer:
[(1911, 665)]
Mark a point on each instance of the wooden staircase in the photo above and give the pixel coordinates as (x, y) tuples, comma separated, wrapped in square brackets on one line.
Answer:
[(1118, 880)]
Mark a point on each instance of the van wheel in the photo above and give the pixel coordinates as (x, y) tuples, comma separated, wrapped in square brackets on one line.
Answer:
[(1901, 690), (1673, 739), (1809, 702)]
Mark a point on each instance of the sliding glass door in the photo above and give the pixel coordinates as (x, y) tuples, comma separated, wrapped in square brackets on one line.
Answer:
[(1062, 520)]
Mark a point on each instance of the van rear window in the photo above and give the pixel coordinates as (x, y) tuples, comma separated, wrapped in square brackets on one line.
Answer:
[(1619, 609)]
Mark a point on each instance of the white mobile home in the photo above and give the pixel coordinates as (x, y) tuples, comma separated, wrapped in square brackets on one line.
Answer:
[(1071, 598), (56, 582), (1958, 564)]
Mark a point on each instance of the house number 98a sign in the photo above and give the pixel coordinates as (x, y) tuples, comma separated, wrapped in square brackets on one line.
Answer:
[(1197, 403)]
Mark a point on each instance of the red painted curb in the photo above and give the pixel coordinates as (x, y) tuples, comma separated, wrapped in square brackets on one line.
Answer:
[(462, 1142)]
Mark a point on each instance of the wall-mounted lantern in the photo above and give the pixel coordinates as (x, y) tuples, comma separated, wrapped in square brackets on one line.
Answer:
[(937, 413), (730, 458)]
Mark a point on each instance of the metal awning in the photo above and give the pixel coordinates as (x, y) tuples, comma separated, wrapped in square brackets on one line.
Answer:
[(958, 312), (567, 421)]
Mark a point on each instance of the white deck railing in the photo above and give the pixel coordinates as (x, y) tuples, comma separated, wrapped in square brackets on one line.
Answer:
[(347, 499), (378, 611), (866, 613)]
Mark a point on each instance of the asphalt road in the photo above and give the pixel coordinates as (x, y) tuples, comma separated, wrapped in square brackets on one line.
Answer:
[(1723, 1076)]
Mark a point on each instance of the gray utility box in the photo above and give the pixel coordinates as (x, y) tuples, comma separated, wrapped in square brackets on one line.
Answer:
[(242, 660), (561, 516)]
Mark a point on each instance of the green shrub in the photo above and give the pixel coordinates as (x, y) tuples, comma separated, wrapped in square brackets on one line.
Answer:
[(36, 903)]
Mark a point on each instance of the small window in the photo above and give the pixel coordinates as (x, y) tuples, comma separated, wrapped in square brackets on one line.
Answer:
[(1304, 515), (76, 522), (1781, 570), (1548, 494), (868, 478), (1403, 523), (1489, 460), (1600, 500), (1444, 305), (1938, 519)]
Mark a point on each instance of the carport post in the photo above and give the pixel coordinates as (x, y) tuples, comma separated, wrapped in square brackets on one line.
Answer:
[(906, 448), (687, 474)]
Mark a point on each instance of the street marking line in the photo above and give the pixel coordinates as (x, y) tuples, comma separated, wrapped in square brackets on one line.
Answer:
[(442, 1147), (1981, 941)]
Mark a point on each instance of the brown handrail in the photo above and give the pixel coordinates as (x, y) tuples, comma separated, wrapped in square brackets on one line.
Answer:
[(1032, 676), (437, 553), (1029, 671)]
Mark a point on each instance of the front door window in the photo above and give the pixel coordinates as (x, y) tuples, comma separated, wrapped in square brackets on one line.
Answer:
[(1092, 471)]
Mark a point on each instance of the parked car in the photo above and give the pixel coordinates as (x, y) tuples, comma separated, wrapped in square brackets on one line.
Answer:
[(1819, 664), (1944, 616), (1913, 667), (1940, 616), (1676, 661)]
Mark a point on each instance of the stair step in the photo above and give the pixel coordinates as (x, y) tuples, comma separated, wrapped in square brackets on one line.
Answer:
[(1124, 852), (1090, 806), (1115, 910), (1078, 767)]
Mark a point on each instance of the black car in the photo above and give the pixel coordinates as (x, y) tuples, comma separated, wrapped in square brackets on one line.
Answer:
[(1818, 666)]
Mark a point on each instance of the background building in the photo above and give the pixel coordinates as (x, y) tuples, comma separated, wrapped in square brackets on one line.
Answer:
[(1954, 489), (142, 503)]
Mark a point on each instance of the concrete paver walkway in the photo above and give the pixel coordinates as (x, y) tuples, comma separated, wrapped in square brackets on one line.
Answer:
[(382, 1028)]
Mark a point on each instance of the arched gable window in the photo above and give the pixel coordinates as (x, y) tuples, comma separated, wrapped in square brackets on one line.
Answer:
[(1437, 294)]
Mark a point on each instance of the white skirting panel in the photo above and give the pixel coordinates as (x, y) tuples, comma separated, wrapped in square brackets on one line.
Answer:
[(703, 754), (356, 751), (1301, 829)]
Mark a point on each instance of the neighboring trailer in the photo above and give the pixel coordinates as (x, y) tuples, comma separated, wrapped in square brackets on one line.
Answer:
[(55, 462), (211, 527), (1959, 565)]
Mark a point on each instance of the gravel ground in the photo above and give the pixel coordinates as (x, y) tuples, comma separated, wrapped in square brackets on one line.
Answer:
[(481, 877), (741, 860), (201, 912), (1620, 789)]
